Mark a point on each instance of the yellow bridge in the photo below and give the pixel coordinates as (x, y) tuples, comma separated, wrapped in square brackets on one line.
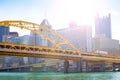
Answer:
[(8, 49), (56, 52)]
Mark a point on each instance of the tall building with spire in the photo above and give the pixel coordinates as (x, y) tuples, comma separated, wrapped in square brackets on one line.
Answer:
[(103, 25), (46, 23), (37, 40)]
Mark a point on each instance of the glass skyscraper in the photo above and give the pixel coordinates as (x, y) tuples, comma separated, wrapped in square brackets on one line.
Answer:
[(3, 31), (103, 25)]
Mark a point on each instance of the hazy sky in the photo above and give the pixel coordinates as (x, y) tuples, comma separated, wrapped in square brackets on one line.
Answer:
[(62, 12)]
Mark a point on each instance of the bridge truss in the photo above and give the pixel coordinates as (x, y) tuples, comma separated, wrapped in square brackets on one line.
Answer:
[(56, 39)]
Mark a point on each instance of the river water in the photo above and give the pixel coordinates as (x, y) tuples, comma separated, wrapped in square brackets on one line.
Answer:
[(60, 76)]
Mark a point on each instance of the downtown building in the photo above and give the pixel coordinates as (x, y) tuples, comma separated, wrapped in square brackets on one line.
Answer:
[(37, 40), (104, 45), (103, 42), (8, 37), (79, 36), (103, 25), (4, 31), (14, 38)]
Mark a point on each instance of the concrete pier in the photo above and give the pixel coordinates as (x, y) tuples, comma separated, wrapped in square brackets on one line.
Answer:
[(87, 66), (79, 66), (119, 66), (19, 69), (103, 67), (31, 69), (113, 67), (66, 66)]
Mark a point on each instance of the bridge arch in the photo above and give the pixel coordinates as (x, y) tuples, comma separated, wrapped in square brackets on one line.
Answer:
[(58, 40)]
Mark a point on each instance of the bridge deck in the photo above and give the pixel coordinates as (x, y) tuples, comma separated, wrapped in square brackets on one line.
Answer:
[(8, 49)]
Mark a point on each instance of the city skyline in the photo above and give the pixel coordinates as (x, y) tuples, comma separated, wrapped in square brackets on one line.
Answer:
[(61, 13)]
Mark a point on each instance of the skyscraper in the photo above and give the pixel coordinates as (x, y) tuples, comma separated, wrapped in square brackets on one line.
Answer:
[(103, 25), (80, 36), (105, 45), (3, 32), (37, 40)]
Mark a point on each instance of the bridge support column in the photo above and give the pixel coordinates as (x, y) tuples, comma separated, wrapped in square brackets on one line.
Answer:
[(119, 66), (31, 69), (66, 66), (113, 67), (103, 67), (19, 69), (8, 70), (87, 66), (79, 66), (92, 68)]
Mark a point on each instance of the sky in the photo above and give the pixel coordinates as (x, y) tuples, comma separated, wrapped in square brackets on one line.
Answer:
[(60, 13)]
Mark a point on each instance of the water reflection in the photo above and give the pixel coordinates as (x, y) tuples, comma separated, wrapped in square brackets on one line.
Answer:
[(60, 76)]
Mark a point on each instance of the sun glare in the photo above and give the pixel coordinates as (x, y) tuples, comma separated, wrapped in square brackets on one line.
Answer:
[(79, 11)]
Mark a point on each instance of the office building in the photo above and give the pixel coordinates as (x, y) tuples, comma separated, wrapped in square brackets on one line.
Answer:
[(25, 39), (105, 45), (80, 36), (10, 61), (12, 37), (45, 23), (4, 31), (37, 40), (103, 25), (15, 34)]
